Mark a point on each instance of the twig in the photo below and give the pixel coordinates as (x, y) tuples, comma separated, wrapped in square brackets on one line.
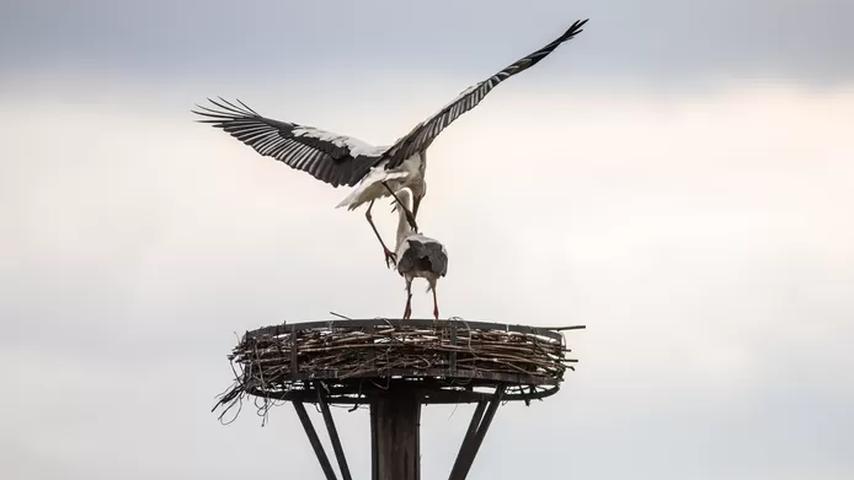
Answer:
[(346, 356)]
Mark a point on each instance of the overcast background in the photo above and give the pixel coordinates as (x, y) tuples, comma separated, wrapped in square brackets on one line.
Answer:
[(678, 178)]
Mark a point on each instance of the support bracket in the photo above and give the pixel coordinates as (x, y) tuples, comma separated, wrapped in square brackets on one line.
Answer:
[(314, 440), (475, 434)]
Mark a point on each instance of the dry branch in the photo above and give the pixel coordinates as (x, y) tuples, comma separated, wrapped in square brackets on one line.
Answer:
[(271, 362)]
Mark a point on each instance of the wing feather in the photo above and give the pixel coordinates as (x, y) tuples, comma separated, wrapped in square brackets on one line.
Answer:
[(334, 159), (425, 132)]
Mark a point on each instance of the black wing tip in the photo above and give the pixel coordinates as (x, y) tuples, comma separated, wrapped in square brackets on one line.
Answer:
[(575, 29), (207, 115), (222, 107)]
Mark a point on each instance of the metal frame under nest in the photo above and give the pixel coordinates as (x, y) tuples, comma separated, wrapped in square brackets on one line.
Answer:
[(395, 366)]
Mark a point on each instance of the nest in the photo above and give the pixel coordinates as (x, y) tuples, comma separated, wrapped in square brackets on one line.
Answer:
[(449, 360)]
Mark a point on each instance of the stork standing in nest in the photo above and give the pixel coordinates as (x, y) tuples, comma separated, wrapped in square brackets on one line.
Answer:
[(417, 256), (342, 160)]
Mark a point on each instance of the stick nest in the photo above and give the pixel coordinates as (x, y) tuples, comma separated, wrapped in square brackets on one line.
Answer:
[(282, 362)]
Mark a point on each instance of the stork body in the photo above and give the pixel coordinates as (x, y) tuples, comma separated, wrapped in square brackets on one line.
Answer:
[(380, 182), (342, 160), (375, 185), (418, 256)]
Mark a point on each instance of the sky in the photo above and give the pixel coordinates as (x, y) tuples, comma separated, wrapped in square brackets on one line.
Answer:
[(678, 178)]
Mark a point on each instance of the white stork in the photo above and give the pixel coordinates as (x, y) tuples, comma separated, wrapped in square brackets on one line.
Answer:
[(417, 256), (342, 160)]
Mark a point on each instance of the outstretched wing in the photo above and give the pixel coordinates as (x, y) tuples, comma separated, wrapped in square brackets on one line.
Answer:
[(425, 132), (334, 159)]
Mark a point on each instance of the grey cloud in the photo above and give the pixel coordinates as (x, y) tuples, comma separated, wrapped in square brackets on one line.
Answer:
[(637, 42)]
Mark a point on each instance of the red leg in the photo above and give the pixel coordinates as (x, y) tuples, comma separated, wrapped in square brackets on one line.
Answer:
[(390, 257), (407, 312), (435, 304)]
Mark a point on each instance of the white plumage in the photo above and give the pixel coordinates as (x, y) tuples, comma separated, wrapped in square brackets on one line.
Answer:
[(343, 160), (418, 256)]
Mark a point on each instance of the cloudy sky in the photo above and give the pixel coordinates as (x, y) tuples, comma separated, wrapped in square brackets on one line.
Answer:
[(679, 178)]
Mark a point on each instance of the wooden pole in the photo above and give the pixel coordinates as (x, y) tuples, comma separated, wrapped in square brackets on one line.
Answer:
[(395, 423)]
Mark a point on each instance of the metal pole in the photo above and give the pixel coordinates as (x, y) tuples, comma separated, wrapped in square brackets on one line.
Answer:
[(315, 442), (333, 432), (467, 458), (468, 438)]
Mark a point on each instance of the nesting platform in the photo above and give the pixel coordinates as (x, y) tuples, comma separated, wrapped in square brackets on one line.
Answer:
[(395, 366)]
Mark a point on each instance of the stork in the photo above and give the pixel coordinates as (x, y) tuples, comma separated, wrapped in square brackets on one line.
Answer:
[(417, 256), (342, 160)]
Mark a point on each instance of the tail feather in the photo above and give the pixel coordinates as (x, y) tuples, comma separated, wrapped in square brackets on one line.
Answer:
[(362, 193)]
